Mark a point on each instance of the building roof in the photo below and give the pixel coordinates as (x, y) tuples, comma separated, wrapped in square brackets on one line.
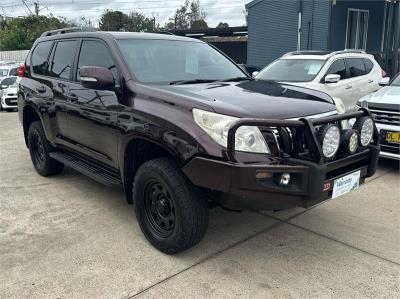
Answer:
[(252, 3)]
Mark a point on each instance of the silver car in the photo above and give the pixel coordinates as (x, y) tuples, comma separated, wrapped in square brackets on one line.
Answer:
[(385, 109)]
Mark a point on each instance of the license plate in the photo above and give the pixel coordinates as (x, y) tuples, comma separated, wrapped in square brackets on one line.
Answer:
[(393, 137), (346, 184)]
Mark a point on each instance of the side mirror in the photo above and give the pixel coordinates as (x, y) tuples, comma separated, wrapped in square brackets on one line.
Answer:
[(254, 74), (332, 78), (384, 81), (94, 77)]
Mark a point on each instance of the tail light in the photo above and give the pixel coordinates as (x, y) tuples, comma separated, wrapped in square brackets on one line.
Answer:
[(383, 73), (21, 69)]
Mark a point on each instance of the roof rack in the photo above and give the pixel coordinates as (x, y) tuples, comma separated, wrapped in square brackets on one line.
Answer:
[(329, 53), (164, 32), (68, 30)]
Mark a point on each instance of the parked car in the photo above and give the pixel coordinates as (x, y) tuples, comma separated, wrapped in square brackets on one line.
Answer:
[(8, 93), (179, 125), (385, 109), (347, 75), (8, 70)]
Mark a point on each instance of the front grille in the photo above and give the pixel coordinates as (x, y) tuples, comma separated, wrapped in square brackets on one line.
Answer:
[(11, 102), (386, 117)]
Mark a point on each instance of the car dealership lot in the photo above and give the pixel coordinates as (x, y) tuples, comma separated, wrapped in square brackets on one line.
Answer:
[(70, 237)]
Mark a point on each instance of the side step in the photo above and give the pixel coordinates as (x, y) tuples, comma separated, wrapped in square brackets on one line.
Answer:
[(91, 169)]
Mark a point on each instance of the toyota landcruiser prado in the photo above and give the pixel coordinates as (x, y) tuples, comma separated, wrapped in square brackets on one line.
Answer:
[(181, 128)]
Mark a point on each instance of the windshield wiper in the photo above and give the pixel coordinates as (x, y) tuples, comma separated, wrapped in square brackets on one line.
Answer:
[(237, 79), (193, 81)]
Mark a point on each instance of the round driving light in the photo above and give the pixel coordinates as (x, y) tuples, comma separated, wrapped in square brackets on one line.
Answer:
[(365, 126), (330, 140), (285, 179), (350, 141)]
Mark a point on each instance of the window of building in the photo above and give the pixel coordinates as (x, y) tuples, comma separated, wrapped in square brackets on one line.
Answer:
[(357, 29)]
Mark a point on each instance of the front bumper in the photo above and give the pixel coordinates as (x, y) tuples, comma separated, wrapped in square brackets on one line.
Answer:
[(388, 150), (255, 186), (9, 102), (311, 182)]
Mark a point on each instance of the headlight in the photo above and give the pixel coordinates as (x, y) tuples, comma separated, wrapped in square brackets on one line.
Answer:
[(365, 126), (330, 140), (350, 141), (247, 139)]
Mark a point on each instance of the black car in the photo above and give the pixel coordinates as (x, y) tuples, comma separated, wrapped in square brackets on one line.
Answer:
[(181, 128)]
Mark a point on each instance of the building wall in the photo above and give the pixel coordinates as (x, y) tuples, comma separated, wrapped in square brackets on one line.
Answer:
[(339, 23), (272, 26), (18, 56)]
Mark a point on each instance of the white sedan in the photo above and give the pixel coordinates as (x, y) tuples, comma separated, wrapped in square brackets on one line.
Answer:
[(385, 109)]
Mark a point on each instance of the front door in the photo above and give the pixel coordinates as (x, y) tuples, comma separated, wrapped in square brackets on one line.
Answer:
[(92, 114)]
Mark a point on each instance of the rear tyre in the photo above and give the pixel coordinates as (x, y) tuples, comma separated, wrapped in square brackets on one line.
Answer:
[(171, 212), (39, 149)]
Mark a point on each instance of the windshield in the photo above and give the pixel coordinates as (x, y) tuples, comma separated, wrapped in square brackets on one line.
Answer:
[(292, 70), (396, 81), (9, 81), (166, 61)]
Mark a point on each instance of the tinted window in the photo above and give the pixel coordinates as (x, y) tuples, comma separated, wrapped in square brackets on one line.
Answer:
[(368, 65), (356, 67), (292, 70), (338, 68), (165, 61), (40, 58), (14, 72), (9, 81), (63, 58), (94, 53)]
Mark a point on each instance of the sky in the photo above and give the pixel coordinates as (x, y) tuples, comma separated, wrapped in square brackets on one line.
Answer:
[(229, 11)]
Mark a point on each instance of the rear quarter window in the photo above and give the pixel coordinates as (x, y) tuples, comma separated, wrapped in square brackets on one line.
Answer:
[(368, 65), (40, 56)]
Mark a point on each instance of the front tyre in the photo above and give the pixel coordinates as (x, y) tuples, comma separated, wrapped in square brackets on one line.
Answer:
[(39, 149), (171, 212)]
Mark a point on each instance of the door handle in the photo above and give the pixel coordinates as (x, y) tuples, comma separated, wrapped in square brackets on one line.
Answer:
[(348, 86), (370, 81)]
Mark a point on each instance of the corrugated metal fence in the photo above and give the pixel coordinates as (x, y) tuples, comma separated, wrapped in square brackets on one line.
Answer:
[(14, 55)]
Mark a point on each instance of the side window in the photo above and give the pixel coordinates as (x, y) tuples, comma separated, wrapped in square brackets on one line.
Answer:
[(40, 57), (63, 58), (13, 72), (368, 65), (338, 68), (356, 67), (95, 53)]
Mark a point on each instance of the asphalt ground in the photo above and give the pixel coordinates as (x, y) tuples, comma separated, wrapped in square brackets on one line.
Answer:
[(71, 237)]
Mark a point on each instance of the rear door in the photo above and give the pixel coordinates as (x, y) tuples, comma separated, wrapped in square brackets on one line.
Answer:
[(92, 114), (358, 80), (59, 77)]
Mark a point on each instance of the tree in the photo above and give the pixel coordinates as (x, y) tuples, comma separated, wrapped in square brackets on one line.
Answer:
[(190, 15), (223, 25), (112, 20), (21, 33), (134, 22)]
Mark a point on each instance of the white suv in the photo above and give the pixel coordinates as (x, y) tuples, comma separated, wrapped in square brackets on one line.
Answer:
[(347, 75)]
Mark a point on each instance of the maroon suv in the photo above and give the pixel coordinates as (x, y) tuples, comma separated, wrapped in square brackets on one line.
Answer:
[(181, 128)]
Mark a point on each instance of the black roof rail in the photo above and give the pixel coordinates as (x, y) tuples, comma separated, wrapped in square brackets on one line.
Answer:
[(67, 30)]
